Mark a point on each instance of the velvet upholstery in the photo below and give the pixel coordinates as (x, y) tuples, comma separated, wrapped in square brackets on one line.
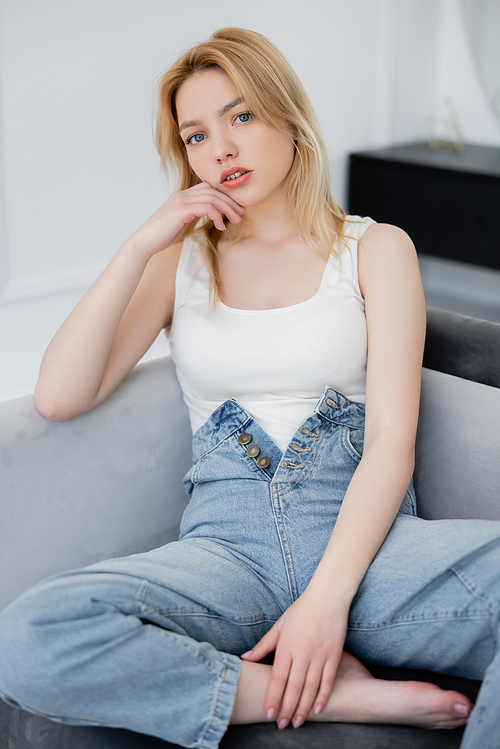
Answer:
[(103, 485), (109, 483), (463, 346)]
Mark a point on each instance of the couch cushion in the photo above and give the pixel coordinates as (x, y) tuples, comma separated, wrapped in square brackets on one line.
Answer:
[(457, 471)]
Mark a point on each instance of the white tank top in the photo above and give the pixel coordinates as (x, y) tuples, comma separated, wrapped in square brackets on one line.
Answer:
[(274, 362)]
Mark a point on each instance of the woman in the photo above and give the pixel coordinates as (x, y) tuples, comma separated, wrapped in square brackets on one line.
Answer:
[(272, 298)]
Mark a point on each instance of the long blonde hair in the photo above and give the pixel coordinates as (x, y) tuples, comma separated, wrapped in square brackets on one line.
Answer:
[(274, 95)]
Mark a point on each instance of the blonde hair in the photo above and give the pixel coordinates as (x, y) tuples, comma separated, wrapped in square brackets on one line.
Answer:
[(275, 96)]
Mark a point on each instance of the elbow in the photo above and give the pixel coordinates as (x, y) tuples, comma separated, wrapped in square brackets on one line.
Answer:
[(53, 409)]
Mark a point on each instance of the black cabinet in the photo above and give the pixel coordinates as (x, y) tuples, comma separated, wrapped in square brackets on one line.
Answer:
[(449, 203)]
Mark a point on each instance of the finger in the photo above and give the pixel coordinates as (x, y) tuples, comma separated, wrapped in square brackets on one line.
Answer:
[(237, 206), (292, 693), (210, 211), (216, 217), (309, 693), (233, 212), (228, 199), (277, 685), (327, 681), (213, 199), (265, 645)]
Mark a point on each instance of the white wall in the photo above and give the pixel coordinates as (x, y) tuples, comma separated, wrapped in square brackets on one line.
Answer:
[(79, 170), (457, 79)]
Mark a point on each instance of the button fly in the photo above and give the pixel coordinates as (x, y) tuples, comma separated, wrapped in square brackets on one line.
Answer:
[(263, 461), (253, 451)]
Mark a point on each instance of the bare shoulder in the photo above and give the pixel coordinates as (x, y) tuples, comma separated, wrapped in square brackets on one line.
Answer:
[(385, 239), (389, 280), (386, 255)]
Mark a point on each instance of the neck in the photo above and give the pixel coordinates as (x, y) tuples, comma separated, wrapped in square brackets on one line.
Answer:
[(268, 223)]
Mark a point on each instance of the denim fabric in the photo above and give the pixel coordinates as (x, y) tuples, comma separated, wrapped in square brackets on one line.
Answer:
[(150, 642)]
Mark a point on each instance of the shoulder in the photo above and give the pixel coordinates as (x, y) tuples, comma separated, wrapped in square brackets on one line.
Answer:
[(386, 255), (385, 238)]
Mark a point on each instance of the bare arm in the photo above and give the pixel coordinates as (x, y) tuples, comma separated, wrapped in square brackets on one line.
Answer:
[(107, 333), (310, 635), (122, 313), (395, 313)]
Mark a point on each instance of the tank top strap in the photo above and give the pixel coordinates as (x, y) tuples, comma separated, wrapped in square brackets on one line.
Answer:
[(347, 248)]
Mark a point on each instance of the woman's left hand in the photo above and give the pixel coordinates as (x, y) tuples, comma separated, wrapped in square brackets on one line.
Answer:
[(308, 639)]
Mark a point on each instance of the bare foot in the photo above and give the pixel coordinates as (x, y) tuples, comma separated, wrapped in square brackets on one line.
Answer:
[(358, 697)]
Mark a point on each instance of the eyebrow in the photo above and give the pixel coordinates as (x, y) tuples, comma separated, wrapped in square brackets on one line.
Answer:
[(221, 113)]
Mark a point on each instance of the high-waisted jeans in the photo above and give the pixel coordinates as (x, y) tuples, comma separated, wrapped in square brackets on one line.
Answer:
[(150, 642)]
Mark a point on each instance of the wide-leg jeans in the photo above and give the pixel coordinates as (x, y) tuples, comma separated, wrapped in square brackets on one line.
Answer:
[(150, 642)]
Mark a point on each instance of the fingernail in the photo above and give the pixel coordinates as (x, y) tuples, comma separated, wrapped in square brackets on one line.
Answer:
[(461, 709), (297, 722), (282, 724), (318, 709), (270, 713), (247, 654)]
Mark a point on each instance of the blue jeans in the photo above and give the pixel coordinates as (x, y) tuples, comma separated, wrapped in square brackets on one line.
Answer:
[(150, 642)]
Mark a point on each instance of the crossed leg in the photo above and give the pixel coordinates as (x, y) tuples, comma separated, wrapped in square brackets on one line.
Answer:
[(358, 697), (130, 641), (430, 600)]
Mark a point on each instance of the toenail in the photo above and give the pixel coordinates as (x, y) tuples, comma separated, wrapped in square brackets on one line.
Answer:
[(461, 709), (282, 724), (297, 722)]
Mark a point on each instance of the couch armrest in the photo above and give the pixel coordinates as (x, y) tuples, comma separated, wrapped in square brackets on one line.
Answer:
[(458, 443), (105, 484)]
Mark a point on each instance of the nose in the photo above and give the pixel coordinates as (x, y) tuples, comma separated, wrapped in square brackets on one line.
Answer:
[(223, 147)]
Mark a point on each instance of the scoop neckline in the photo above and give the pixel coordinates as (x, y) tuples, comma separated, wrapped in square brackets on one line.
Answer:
[(289, 306)]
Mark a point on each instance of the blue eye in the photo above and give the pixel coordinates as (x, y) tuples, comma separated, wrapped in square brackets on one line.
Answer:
[(244, 117), (196, 136)]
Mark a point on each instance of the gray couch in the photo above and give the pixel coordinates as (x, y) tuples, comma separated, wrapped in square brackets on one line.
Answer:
[(109, 483)]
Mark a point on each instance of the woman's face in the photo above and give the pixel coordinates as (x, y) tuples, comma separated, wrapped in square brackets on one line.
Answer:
[(222, 138)]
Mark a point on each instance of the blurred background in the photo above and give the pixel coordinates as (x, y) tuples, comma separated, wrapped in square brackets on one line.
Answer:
[(78, 168)]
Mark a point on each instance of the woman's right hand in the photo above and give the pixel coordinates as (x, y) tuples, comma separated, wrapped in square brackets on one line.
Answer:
[(166, 225)]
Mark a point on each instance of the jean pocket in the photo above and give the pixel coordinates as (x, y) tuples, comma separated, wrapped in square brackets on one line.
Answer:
[(352, 441)]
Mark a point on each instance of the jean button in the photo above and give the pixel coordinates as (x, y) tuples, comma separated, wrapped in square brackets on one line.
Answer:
[(244, 438), (263, 461), (253, 451)]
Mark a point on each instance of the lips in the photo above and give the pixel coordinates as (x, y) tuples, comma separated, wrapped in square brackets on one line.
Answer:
[(234, 170)]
